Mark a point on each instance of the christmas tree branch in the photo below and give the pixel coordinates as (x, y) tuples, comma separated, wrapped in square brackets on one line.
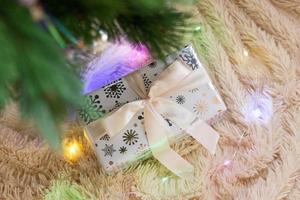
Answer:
[(154, 23)]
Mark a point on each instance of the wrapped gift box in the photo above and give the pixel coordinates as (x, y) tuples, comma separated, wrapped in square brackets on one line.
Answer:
[(131, 143)]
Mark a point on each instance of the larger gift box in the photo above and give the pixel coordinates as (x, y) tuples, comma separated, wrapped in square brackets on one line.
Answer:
[(131, 140)]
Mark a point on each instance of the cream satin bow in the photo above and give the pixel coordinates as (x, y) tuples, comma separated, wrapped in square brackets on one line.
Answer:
[(156, 104)]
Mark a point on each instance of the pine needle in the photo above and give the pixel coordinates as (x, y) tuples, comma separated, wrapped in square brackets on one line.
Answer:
[(62, 189)]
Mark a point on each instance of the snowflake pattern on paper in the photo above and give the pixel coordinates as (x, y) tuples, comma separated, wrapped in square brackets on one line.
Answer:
[(147, 81), (142, 147), (105, 137), (122, 150), (108, 150), (194, 90), (117, 105), (189, 59), (92, 109), (141, 116), (215, 100), (169, 122), (115, 89), (180, 99), (200, 107), (152, 65), (130, 137)]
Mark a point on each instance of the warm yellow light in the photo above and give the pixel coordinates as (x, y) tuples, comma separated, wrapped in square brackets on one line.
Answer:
[(245, 52), (72, 150)]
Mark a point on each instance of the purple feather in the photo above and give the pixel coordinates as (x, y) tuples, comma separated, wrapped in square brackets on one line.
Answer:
[(116, 61)]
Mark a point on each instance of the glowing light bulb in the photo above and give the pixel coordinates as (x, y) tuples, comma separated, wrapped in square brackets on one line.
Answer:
[(258, 108), (245, 52), (227, 162), (256, 113), (164, 179), (72, 150), (104, 36), (197, 28)]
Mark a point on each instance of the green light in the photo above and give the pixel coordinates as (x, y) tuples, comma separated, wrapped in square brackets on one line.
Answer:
[(197, 28), (164, 179)]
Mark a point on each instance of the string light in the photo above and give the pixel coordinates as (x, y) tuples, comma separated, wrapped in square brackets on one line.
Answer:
[(245, 52), (256, 113), (197, 28), (258, 108), (228, 162), (72, 150), (164, 179), (104, 36)]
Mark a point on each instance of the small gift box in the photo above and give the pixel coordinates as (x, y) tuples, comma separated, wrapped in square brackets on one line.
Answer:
[(147, 109)]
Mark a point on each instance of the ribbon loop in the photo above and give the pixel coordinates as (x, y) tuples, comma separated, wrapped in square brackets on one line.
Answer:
[(169, 79)]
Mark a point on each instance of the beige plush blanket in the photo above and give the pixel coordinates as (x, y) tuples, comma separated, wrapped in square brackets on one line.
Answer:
[(251, 49)]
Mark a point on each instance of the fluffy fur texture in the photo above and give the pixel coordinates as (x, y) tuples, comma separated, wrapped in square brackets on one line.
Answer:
[(264, 165)]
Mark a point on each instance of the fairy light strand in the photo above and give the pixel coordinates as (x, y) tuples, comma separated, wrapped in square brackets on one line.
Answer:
[(228, 162), (72, 150)]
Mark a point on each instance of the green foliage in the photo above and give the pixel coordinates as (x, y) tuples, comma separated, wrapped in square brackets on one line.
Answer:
[(34, 72), (64, 190), (152, 22)]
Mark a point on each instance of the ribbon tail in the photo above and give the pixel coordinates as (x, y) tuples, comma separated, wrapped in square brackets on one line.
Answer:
[(174, 162), (159, 145), (204, 134), (94, 130)]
